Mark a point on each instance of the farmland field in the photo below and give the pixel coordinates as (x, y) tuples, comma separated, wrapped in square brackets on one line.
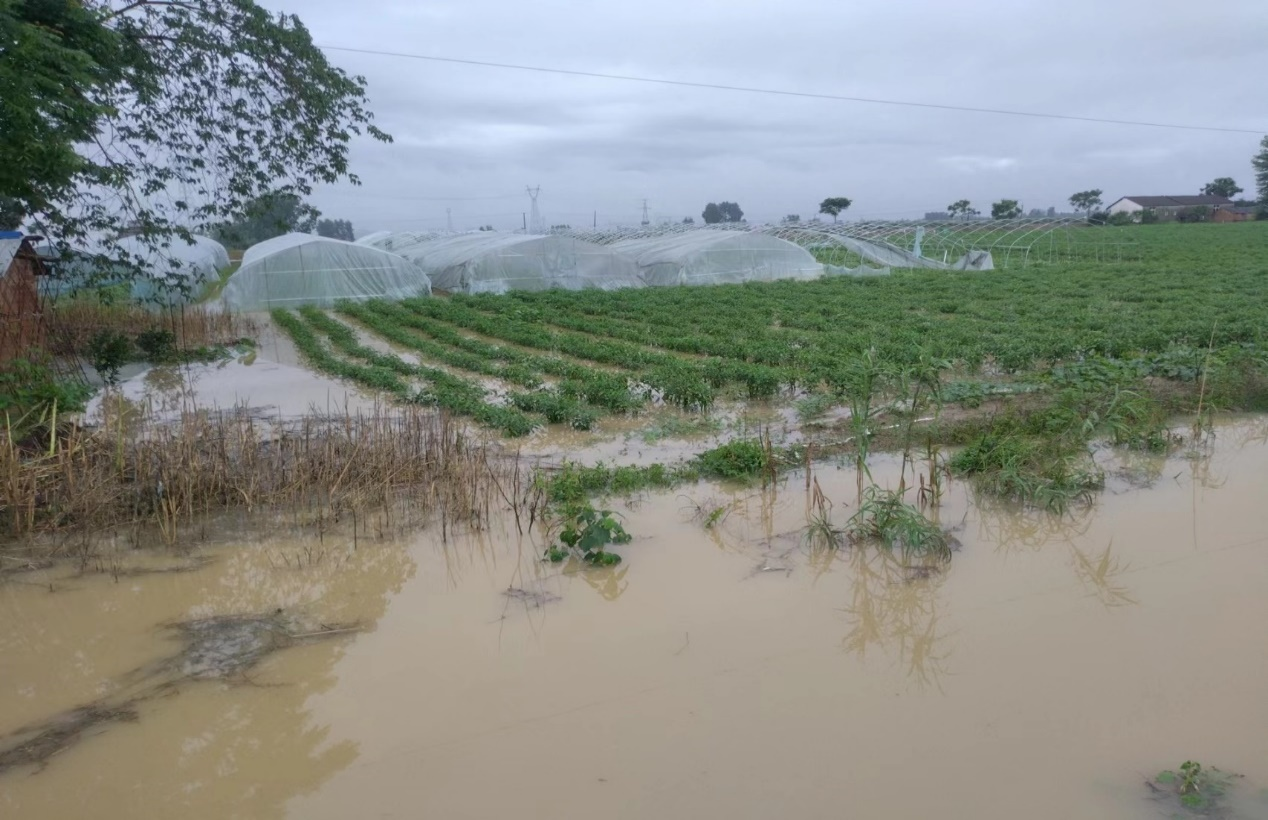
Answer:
[(1198, 293)]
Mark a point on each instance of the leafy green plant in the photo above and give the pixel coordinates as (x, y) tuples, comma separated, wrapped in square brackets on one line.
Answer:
[(1196, 789), (32, 395), (587, 533), (156, 344), (108, 351)]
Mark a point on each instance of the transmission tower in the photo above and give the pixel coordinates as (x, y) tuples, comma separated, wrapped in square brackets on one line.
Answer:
[(647, 220), (535, 217)]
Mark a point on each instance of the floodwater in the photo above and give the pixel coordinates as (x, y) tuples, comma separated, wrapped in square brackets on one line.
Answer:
[(738, 671), (269, 379)]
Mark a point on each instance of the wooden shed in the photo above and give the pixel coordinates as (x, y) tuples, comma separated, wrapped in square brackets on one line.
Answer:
[(21, 317)]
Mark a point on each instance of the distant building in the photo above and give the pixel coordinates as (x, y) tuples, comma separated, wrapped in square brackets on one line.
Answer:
[(937, 216), (1234, 214), (21, 320), (1168, 207)]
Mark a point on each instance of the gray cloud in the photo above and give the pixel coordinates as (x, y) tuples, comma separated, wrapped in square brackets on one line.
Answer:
[(467, 133)]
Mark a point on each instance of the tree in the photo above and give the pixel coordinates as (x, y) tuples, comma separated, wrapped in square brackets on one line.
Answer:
[(712, 214), (1005, 209), (10, 214), (168, 115), (1086, 201), (833, 206), (686, 220), (335, 229), (1221, 186), (962, 208), (268, 216), (731, 212), (792, 219), (1260, 164)]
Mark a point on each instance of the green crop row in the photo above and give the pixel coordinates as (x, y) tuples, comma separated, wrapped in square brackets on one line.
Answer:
[(556, 406), (607, 390), (449, 392), (317, 355), (734, 363), (680, 382)]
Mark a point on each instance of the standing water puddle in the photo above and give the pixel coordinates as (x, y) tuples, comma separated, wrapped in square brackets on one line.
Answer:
[(738, 671)]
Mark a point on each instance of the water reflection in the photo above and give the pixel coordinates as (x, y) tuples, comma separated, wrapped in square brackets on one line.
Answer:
[(1100, 572), (894, 606)]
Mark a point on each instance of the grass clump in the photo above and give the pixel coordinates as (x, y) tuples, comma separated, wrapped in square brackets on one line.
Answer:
[(574, 483), (885, 518), (814, 406), (1030, 469), (739, 459)]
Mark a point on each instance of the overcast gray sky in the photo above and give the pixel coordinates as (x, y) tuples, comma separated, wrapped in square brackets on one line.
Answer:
[(471, 138)]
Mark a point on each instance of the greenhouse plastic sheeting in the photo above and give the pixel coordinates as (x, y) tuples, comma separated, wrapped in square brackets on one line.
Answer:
[(371, 238), (862, 270), (892, 256), (490, 262), (171, 274), (302, 269), (706, 257)]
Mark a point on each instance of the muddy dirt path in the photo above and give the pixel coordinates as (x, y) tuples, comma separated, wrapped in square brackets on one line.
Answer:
[(738, 671)]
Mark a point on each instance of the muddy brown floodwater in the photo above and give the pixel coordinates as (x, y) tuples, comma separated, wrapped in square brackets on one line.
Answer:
[(734, 672)]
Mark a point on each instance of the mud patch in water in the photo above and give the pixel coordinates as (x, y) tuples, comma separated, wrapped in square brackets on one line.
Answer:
[(217, 648)]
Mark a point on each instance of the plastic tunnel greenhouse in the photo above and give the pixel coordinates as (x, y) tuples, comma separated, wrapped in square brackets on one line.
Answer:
[(302, 269), (713, 257), (489, 262), (168, 275)]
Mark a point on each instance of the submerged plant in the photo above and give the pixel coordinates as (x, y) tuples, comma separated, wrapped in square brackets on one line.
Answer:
[(1198, 790), (108, 352), (586, 533), (886, 518)]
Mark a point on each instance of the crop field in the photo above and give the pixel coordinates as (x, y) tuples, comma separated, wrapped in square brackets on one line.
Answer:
[(520, 361)]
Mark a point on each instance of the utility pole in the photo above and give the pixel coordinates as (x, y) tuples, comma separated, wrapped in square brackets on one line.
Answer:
[(525, 217), (536, 221), (596, 220), (449, 219), (646, 219)]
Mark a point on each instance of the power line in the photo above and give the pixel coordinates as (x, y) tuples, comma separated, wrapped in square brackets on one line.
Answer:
[(802, 94)]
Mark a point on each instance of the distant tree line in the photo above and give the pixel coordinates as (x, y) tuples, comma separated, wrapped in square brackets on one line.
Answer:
[(335, 229)]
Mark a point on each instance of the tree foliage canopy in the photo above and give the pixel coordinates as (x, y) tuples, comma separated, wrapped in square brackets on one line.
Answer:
[(962, 208), (1006, 209), (1086, 200), (1260, 163), (833, 206), (716, 212), (266, 217), (168, 114), (1222, 186), (342, 229)]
